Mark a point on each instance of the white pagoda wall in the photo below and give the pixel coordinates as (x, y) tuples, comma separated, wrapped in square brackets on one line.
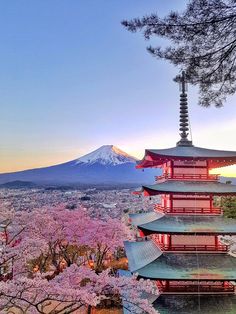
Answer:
[(184, 163), (196, 171), (186, 201), (185, 167), (185, 239), (192, 240), (192, 203)]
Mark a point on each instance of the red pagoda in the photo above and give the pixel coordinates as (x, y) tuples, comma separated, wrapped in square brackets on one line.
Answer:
[(181, 248)]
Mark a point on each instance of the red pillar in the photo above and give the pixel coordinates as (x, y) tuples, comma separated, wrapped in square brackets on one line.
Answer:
[(211, 202), (171, 169), (171, 202), (167, 285), (170, 241), (216, 241)]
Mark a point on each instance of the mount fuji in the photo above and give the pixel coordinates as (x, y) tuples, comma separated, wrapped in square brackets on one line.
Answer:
[(106, 165), (107, 155)]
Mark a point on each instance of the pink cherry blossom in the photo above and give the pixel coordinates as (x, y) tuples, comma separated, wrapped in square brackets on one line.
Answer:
[(45, 253)]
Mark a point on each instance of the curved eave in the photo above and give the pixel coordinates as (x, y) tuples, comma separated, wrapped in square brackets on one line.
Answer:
[(149, 231), (141, 253), (160, 271), (209, 277), (215, 158), (152, 192), (153, 222), (148, 164), (189, 188), (168, 266), (195, 304)]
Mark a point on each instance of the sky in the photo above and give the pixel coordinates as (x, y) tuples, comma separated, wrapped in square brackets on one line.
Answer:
[(73, 79)]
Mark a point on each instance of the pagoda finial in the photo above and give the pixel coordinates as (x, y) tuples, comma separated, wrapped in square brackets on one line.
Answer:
[(183, 120)]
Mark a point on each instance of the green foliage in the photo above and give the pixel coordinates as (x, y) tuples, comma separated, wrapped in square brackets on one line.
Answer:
[(228, 204)]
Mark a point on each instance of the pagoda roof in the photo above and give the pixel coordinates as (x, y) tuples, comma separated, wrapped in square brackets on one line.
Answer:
[(146, 259), (215, 158), (190, 187), (195, 304), (154, 222)]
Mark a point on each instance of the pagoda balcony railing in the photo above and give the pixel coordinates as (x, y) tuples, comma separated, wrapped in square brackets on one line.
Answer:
[(188, 176), (188, 210), (196, 288), (193, 248)]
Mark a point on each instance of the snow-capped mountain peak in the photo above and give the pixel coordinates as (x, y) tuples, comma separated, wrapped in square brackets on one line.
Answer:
[(107, 165), (107, 155)]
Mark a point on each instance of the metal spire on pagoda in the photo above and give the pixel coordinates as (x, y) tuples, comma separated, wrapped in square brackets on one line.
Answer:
[(183, 120)]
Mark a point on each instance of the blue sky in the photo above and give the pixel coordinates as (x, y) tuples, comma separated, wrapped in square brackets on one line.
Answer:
[(73, 79)]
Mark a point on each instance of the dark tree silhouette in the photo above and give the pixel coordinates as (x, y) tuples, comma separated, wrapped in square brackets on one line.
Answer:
[(202, 42)]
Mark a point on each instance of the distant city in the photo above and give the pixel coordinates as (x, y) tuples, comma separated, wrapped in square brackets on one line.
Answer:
[(100, 202)]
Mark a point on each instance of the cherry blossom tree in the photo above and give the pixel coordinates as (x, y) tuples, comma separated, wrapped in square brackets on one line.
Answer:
[(45, 256), (72, 289)]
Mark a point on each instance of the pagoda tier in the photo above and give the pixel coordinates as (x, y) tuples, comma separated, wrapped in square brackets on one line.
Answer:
[(213, 158), (146, 259), (158, 223), (189, 188), (204, 304), (185, 233), (185, 204)]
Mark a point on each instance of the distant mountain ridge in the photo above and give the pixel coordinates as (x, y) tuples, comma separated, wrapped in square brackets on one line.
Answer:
[(231, 180), (107, 164), (18, 184)]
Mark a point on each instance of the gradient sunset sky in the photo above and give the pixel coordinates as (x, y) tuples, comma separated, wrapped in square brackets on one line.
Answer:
[(73, 79)]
